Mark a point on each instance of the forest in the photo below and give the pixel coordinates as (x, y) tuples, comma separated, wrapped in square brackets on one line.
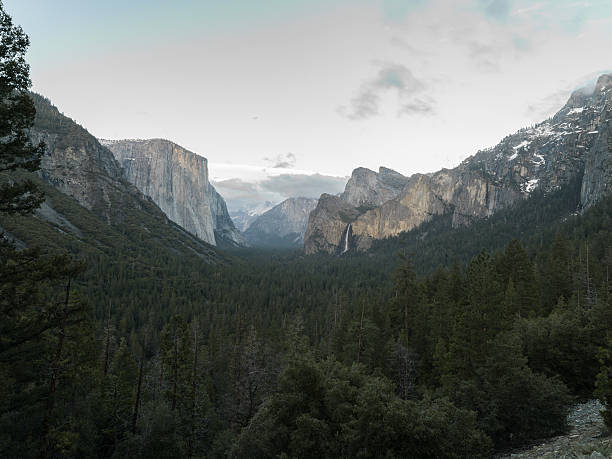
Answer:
[(136, 340)]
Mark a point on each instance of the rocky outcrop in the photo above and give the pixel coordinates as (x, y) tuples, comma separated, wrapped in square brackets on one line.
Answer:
[(368, 188), (328, 223), (77, 164), (577, 141), (587, 437), (226, 234), (597, 180), (327, 228), (282, 226), (177, 181)]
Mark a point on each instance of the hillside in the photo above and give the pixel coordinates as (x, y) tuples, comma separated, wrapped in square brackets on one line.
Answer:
[(95, 215)]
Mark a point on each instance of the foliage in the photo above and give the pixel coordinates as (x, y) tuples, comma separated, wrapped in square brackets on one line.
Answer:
[(325, 409), (16, 117), (476, 337), (604, 382)]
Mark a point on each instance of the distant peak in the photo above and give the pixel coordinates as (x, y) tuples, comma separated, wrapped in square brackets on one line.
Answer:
[(604, 82), (583, 96)]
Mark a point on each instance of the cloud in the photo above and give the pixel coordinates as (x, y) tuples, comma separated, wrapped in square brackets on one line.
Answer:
[(485, 56), (402, 44), (417, 107), (287, 161), (248, 194), (529, 9), (551, 103), (307, 186), (397, 10), (390, 77), (236, 187), (365, 105), (496, 9)]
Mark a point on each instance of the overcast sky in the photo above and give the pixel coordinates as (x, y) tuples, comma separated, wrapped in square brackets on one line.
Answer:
[(314, 85)]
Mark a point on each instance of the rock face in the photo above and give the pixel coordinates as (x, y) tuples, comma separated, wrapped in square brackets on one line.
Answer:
[(327, 224), (177, 181), (89, 200), (597, 181), (226, 234), (76, 163), (368, 188), (576, 142), (282, 226)]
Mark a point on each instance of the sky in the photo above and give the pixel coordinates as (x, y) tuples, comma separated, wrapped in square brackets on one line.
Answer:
[(313, 88)]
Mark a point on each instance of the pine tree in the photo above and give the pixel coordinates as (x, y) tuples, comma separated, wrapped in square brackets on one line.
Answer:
[(603, 384), (557, 273), (16, 117), (516, 267)]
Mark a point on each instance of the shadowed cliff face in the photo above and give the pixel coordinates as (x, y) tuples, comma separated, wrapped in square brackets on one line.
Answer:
[(177, 181), (77, 164), (577, 141), (283, 225)]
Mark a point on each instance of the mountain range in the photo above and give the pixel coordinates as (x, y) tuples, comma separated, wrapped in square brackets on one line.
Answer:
[(575, 143), (104, 175)]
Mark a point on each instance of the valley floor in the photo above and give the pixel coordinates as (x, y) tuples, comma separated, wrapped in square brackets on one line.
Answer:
[(586, 439)]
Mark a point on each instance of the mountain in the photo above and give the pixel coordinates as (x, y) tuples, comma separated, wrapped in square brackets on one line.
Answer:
[(574, 143), (90, 208), (177, 181), (243, 217), (283, 225), (368, 188)]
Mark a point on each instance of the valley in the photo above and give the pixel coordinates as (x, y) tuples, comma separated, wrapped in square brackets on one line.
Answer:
[(460, 313)]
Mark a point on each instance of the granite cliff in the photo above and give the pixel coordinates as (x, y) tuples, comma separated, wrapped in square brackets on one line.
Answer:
[(89, 202), (575, 142), (177, 181), (368, 188), (282, 226)]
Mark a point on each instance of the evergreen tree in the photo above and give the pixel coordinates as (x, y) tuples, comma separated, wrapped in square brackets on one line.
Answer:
[(516, 267), (557, 273), (16, 117), (603, 384)]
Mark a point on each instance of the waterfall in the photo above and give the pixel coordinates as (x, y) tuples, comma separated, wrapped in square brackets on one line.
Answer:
[(346, 238)]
